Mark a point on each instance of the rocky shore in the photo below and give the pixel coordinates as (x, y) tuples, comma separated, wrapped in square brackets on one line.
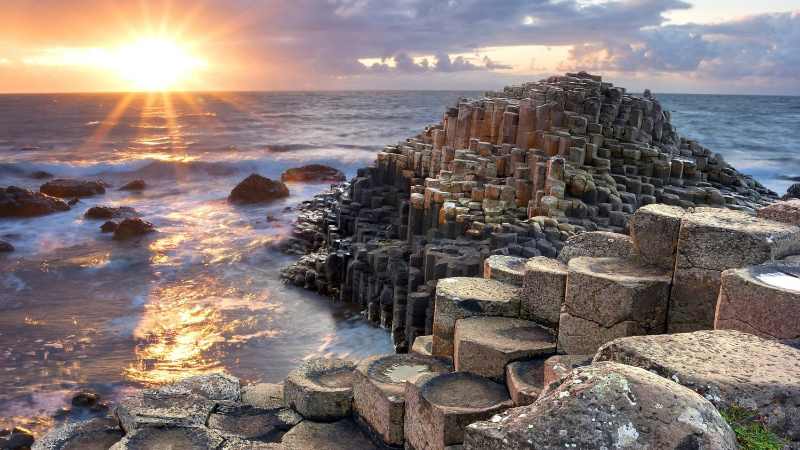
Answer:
[(558, 268)]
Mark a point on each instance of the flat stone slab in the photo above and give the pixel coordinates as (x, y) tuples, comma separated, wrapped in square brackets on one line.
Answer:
[(763, 300), (485, 345), (543, 290), (156, 408), (215, 386), (93, 434), (710, 241), (321, 389), (160, 438), (607, 405), (423, 345), (341, 435), (654, 231), (507, 269), (607, 298), (525, 380), (263, 395), (245, 421), (461, 297), (597, 244), (558, 367), (440, 406), (379, 390), (727, 367)]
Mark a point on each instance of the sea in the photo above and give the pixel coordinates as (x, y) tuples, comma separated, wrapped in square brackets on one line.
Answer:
[(79, 311)]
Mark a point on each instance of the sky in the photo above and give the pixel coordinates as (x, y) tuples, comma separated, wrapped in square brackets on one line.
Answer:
[(692, 46)]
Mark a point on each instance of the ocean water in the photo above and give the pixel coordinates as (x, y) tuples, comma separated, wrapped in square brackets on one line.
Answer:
[(79, 311)]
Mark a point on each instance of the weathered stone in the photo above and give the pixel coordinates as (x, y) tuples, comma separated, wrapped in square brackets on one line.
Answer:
[(155, 408), (726, 367), (423, 345), (321, 389), (130, 228), (109, 212), (263, 395), (507, 269), (379, 390), (785, 211), (341, 435), (543, 290), (135, 185), (525, 380), (460, 297), (605, 406), (607, 298), (234, 443), (245, 421), (63, 188), (18, 202), (215, 386), (93, 434), (439, 407), (558, 367), (170, 438), (485, 345), (257, 189), (654, 230), (598, 244), (312, 173), (712, 240)]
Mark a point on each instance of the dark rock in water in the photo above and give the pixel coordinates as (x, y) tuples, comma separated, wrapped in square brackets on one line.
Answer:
[(72, 188), (73, 201), (792, 192), (129, 228), (6, 247), (18, 202), (110, 212), (271, 218), (256, 189), (18, 439), (85, 399), (109, 226), (313, 173), (135, 185), (41, 175)]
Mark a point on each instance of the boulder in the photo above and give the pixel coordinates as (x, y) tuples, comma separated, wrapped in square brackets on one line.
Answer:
[(64, 188), (341, 435), (257, 189), (312, 173), (598, 244), (135, 185), (461, 297), (485, 345), (440, 406), (110, 212), (168, 437), (525, 380), (507, 269), (130, 228), (41, 175), (763, 300), (18, 202), (654, 231), (608, 405), (6, 247), (321, 389), (543, 289), (727, 367), (109, 226), (93, 434)]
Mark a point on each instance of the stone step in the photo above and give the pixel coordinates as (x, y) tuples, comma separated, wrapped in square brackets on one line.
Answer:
[(485, 345), (379, 391), (507, 269), (440, 406), (543, 290), (608, 298), (461, 297), (321, 389)]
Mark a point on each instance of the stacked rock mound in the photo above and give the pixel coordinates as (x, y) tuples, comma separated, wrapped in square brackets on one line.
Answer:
[(515, 173)]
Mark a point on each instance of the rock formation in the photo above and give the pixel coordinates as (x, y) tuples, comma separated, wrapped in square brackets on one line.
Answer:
[(18, 202), (64, 188), (313, 173), (257, 189)]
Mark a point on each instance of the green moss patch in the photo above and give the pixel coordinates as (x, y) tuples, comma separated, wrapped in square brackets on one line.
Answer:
[(751, 433)]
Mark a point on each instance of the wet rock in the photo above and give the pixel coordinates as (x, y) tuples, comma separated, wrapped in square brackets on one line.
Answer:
[(85, 399), (321, 389), (130, 228), (312, 173), (341, 435), (73, 201), (18, 439), (154, 408), (41, 175), (608, 405), (93, 434), (440, 406), (110, 212), (17, 202), (726, 367), (6, 247), (168, 437), (64, 188), (109, 226), (257, 189), (135, 185), (598, 244)]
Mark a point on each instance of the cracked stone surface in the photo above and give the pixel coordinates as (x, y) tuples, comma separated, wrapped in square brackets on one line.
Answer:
[(608, 405), (725, 366), (598, 244), (156, 408)]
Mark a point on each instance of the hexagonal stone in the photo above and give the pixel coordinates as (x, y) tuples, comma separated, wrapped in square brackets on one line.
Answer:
[(607, 298), (762, 300), (712, 240), (93, 434), (607, 405), (461, 297), (525, 380), (245, 421), (558, 367), (484, 345), (597, 244), (215, 386), (159, 438), (341, 435), (507, 269), (439, 407), (321, 389), (654, 230), (725, 366), (379, 390), (543, 290), (423, 345), (156, 408), (263, 395)]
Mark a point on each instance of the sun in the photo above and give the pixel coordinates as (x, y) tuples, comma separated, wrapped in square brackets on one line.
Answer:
[(156, 64)]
